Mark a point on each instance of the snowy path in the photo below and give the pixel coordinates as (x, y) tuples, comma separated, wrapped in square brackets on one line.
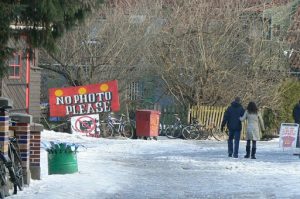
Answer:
[(171, 169)]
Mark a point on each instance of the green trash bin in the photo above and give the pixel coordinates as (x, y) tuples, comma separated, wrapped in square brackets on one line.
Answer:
[(62, 157), (62, 162)]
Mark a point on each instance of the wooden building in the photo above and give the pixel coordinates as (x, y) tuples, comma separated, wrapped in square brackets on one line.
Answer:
[(22, 83)]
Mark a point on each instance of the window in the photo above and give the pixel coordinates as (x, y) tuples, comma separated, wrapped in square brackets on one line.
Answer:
[(14, 71), (135, 91), (267, 28)]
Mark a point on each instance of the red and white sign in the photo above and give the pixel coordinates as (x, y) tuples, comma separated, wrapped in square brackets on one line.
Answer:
[(288, 135), (84, 100), (88, 124)]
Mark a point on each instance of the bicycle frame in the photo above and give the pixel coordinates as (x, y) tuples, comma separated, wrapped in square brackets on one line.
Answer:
[(115, 124), (175, 130), (118, 126), (208, 130), (8, 160), (16, 169), (3, 178)]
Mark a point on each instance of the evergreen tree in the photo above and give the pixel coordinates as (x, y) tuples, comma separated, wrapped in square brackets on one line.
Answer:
[(42, 21)]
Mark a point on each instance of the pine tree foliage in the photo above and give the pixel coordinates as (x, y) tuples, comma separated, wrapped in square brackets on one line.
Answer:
[(42, 21), (6, 12)]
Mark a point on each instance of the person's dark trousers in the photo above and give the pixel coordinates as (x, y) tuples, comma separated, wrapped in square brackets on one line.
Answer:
[(248, 149), (297, 141), (253, 150), (233, 148), (297, 138)]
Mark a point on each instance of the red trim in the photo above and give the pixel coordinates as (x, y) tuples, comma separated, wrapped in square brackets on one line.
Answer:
[(27, 82)]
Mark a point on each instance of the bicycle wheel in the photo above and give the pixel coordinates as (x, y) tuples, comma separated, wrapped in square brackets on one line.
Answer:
[(3, 181), (173, 132), (203, 133), (110, 131), (18, 179), (190, 132), (17, 165), (127, 130), (219, 135)]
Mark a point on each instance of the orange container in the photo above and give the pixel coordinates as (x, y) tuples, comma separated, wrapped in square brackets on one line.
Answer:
[(147, 123)]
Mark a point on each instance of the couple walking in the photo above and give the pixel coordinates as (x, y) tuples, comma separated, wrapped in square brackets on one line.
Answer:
[(233, 117)]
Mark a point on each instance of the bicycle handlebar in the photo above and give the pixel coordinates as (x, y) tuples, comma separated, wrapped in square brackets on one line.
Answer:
[(12, 139)]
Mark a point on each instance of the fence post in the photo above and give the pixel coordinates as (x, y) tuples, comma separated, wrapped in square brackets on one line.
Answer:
[(4, 129), (35, 150), (189, 114), (22, 133), (5, 103)]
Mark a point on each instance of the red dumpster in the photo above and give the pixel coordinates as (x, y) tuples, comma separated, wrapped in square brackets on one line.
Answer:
[(147, 123)]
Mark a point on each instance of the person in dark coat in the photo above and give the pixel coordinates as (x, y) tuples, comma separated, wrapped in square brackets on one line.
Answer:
[(296, 116), (232, 120), (296, 113)]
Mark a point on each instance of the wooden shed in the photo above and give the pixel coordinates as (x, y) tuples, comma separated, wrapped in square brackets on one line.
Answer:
[(22, 83)]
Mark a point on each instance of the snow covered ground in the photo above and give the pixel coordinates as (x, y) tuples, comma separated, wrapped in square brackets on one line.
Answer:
[(168, 169)]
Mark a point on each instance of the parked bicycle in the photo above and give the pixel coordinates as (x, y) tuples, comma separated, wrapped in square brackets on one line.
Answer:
[(15, 157), (175, 130), (13, 165), (118, 127), (203, 131), (3, 177), (10, 164), (195, 131)]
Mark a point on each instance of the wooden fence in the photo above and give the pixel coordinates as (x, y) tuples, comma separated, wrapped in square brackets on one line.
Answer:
[(208, 115), (212, 116)]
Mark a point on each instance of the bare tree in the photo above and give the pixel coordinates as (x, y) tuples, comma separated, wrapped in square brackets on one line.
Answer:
[(205, 52), (106, 47), (208, 53)]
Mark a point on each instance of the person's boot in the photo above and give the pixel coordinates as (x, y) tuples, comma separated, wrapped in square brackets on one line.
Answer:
[(247, 152), (253, 151)]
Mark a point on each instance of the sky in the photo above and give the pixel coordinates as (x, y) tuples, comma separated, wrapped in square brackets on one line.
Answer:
[(121, 168)]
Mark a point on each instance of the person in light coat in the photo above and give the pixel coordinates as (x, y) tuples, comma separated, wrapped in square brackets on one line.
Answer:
[(254, 128)]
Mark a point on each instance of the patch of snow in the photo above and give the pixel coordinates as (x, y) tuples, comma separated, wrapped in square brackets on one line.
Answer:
[(167, 169)]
